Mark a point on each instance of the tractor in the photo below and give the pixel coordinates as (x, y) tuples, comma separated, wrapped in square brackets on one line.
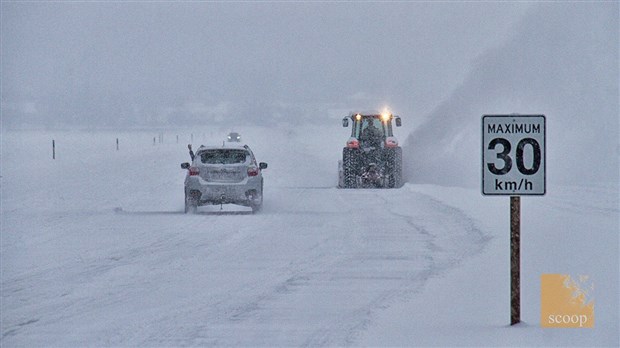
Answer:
[(372, 157)]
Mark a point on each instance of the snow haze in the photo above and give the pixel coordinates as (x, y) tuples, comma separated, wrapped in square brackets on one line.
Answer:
[(95, 247), (160, 63), (561, 61)]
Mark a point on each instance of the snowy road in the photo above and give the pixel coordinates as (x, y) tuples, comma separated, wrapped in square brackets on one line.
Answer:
[(108, 258), (95, 250)]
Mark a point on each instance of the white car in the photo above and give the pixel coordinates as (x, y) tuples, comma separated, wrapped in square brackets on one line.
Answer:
[(224, 175)]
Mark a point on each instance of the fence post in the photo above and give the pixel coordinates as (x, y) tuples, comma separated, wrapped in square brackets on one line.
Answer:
[(53, 149)]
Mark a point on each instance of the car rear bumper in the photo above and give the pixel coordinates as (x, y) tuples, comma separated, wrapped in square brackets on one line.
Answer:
[(245, 192)]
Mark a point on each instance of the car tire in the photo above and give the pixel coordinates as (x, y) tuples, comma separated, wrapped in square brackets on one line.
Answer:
[(257, 207), (190, 206)]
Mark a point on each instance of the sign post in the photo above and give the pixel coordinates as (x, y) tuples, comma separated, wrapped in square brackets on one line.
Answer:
[(513, 164), (515, 259)]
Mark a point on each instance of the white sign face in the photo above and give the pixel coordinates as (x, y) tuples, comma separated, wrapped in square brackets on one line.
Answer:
[(513, 155)]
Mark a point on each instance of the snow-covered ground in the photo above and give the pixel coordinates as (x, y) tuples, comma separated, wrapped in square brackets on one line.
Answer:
[(96, 250)]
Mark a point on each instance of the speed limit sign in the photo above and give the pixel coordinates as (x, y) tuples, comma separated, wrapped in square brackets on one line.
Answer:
[(513, 155), (513, 164)]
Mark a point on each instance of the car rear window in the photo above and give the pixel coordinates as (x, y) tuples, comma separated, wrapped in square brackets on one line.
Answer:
[(223, 156)]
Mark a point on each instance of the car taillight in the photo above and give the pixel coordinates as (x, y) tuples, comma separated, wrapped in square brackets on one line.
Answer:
[(252, 171), (353, 143), (391, 142), (193, 171)]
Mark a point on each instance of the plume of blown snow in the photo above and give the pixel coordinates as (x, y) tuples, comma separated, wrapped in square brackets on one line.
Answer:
[(562, 62)]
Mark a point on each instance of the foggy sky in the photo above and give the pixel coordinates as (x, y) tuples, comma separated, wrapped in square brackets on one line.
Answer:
[(127, 64)]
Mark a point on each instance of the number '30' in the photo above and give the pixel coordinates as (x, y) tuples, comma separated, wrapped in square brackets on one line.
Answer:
[(504, 156)]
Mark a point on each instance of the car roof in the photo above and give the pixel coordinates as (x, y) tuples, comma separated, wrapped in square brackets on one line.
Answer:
[(226, 146)]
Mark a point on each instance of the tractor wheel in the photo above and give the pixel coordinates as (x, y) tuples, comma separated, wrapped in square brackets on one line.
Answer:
[(395, 167), (349, 163)]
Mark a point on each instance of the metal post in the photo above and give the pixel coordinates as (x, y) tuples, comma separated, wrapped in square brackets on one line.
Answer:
[(53, 149), (515, 260), (116, 144)]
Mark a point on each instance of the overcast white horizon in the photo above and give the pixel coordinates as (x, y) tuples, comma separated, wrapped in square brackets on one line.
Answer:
[(158, 63)]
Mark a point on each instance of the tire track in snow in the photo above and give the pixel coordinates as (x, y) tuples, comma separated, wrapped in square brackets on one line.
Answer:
[(329, 291), (314, 268), (441, 254), (62, 297)]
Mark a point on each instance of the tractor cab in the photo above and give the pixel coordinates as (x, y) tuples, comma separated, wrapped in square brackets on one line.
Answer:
[(371, 130)]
